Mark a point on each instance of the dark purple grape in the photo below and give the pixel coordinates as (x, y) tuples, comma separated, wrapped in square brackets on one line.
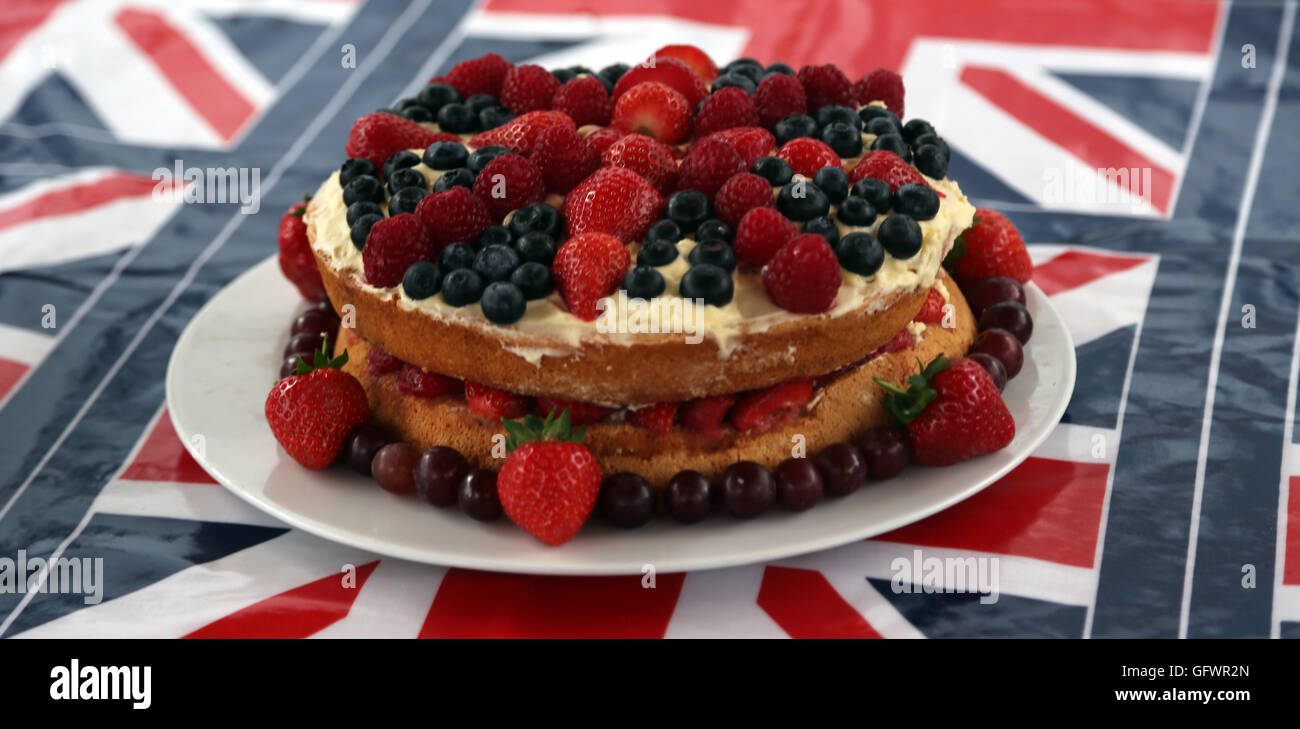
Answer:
[(438, 473), (287, 367), (627, 500), (748, 489), (1001, 344), (477, 495), (394, 467), (799, 484), (991, 365), (1011, 316), (316, 321), (843, 468), (303, 345), (322, 305), (885, 452), (363, 444), (992, 290), (689, 497)]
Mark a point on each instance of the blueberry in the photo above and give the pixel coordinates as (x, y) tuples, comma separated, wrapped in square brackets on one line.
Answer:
[(802, 200), (456, 255), (856, 211), (838, 114), (457, 118), (405, 200), (773, 169), (400, 161), (644, 282), (564, 75), (406, 103), (495, 263), (479, 102), (893, 143), (713, 230), (900, 235), (493, 117), (716, 253), (657, 253), (688, 208), (934, 139), (494, 235), (480, 157), (843, 138), (664, 230), (876, 192), (461, 287), (738, 80), (538, 217), (920, 202), (931, 161), (915, 128), (780, 68), (422, 280), (860, 253), (793, 127), (361, 229), (443, 156), (825, 227), (364, 188), (710, 283), (503, 303), (354, 168), (867, 113), (435, 96), (533, 279), (612, 73), (536, 246), (407, 177), (881, 125), (747, 66), (418, 114), (365, 207), (832, 181), (459, 177)]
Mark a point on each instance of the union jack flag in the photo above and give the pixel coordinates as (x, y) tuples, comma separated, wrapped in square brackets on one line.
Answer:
[(1166, 503)]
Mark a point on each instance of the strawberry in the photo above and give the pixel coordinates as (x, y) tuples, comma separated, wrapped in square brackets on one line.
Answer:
[(585, 100), (725, 108), (707, 166), (668, 71), (647, 157), (759, 412), (587, 268), (380, 363), (806, 155), (414, 381), (528, 88), (394, 244), (932, 310), (900, 341), (615, 201), (653, 109), (804, 276), (990, 247), (825, 84), (885, 165), (297, 262), (495, 404), (563, 158), (507, 183), (658, 419), (698, 60), (761, 233), (739, 195), (881, 84), (706, 415), (779, 96), (951, 411), (580, 413), (601, 139), (452, 216), (550, 481), (482, 75), (379, 135), (312, 412), (749, 142), (519, 134)]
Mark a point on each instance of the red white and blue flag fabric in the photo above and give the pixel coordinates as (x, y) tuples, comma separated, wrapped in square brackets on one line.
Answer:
[(1145, 150)]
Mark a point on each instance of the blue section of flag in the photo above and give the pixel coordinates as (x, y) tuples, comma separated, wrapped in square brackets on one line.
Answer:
[(1102, 364), (1163, 106), (962, 615)]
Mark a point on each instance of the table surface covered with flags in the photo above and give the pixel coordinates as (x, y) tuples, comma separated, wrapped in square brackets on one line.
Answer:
[(1167, 502)]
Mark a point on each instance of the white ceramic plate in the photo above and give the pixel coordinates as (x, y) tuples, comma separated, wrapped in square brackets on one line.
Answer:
[(228, 358)]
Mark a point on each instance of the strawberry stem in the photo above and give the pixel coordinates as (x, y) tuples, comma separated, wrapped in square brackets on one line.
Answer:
[(907, 405), (532, 429), (321, 359)]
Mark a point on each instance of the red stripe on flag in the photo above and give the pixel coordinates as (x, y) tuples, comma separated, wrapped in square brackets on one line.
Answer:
[(10, 373), (473, 604), (164, 458), (1291, 558), (1076, 268), (297, 613), (806, 605), (188, 70), (1085, 140), (22, 17), (77, 198), (1044, 509)]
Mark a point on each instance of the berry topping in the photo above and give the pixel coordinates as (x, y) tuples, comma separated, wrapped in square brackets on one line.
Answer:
[(860, 253), (777, 97), (363, 189), (826, 84), (645, 156), (834, 182), (658, 419), (533, 279), (580, 413), (653, 109), (710, 283), (297, 262), (462, 286), (482, 75), (773, 169), (740, 194), (900, 235), (563, 158), (670, 72), (706, 415), (378, 136), (843, 138), (698, 60), (644, 282), (750, 143), (495, 404), (801, 200), (887, 166), (600, 140), (762, 232), (394, 245), (586, 100), (414, 381), (496, 262), (354, 168), (452, 215), (875, 191), (724, 109), (708, 165), (536, 246), (951, 411), (421, 280), (825, 227), (715, 253), (507, 183), (804, 276), (794, 127), (920, 202), (459, 177), (892, 143), (991, 247), (759, 412), (528, 88), (687, 209), (536, 218), (520, 134), (806, 156), (881, 84), (550, 481), (615, 201), (587, 268), (312, 412)]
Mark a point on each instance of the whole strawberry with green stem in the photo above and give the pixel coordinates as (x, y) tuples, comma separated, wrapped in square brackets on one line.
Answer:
[(951, 411), (550, 481), (312, 412), (991, 247)]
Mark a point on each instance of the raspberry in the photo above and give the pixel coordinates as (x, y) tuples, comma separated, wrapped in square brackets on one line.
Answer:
[(654, 109), (658, 419), (804, 276), (707, 166), (726, 108), (824, 85), (528, 88), (885, 165), (761, 233), (600, 140), (615, 201), (739, 195), (779, 96), (452, 216), (507, 183), (806, 155), (563, 158), (706, 415), (586, 100), (587, 268), (392, 246), (518, 135), (881, 84), (380, 135), (932, 310), (380, 363), (482, 75), (750, 143), (417, 382), (647, 157)]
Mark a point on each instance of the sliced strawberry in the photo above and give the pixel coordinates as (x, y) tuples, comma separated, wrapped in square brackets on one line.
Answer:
[(669, 71), (656, 110), (759, 412), (902, 340), (658, 419), (580, 413), (494, 404), (698, 60), (417, 382), (932, 310), (706, 415)]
